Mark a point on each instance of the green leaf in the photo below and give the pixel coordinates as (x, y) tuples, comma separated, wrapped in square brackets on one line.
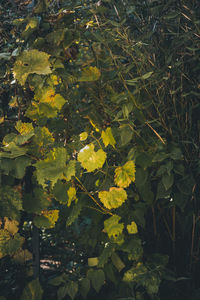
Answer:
[(52, 167), (114, 198), (117, 262), (97, 278), (29, 62), (72, 289), (141, 177), (91, 160), (36, 201), (62, 292), (60, 192), (70, 170), (112, 226), (108, 138), (126, 134), (11, 150), (134, 273), (90, 74), (32, 291), (41, 222), (167, 180), (132, 228), (74, 213), (58, 280), (125, 174), (106, 253), (134, 248), (84, 287), (10, 202)]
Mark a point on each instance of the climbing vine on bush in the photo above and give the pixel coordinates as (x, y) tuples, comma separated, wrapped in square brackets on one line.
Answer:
[(105, 126)]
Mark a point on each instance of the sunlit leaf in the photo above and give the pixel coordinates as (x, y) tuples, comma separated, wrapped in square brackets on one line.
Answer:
[(71, 193), (29, 62), (132, 228), (113, 198), (107, 137), (83, 136), (125, 175), (90, 159), (113, 227), (93, 261)]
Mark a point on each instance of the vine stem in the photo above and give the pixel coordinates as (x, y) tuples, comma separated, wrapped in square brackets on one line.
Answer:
[(103, 210)]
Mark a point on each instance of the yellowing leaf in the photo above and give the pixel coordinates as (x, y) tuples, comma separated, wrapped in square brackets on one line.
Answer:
[(125, 174), (11, 226), (132, 228), (71, 193), (90, 74), (91, 160), (52, 216), (114, 198), (24, 128), (83, 136), (107, 137), (112, 226), (93, 261), (29, 62)]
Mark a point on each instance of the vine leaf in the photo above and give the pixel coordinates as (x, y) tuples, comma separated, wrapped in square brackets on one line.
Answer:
[(83, 136), (52, 167), (114, 198), (70, 170), (97, 278), (132, 228), (71, 193), (84, 287), (36, 201), (29, 62), (32, 291), (91, 160), (11, 225), (125, 174), (52, 216), (90, 74), (113, 227), (108, 138)]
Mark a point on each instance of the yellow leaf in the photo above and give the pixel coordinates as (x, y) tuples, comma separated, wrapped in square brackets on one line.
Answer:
[(125, 174), (90, 159), (114, 198), (113, 227), (83, 136), (71, 195), (107, 137), (11, 226), (132, 228)]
